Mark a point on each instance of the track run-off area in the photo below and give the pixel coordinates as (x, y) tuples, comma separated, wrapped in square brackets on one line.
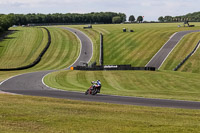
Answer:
[(32, 83)]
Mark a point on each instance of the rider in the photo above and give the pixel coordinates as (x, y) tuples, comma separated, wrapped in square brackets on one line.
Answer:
[(98, 85)]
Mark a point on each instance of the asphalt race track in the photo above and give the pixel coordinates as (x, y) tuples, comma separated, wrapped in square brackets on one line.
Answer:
[(31, 84), (159, 58)]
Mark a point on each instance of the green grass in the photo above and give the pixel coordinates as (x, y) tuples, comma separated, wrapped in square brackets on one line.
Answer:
[(159, 84), (95, 38), (185, 47), (36, 114), (135, 48), (20, 114), (63, 51), (22, 47)]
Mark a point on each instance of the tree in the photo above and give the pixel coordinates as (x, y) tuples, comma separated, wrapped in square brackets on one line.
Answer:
[(95, 17), (168, 18), (116, 19), (161, 19), (123, 16), (140, 19), (131, 19)]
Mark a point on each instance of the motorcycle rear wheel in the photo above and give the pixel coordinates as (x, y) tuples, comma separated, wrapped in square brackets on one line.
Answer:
[(94, 92), (87, 92)]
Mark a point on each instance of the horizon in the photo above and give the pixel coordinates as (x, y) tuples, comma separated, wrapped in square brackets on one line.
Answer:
[(150, 9)]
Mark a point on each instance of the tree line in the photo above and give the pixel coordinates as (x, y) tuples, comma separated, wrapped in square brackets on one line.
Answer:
[(71, 18), (101, 17), (194, 17), (8, 20), (5, 22)]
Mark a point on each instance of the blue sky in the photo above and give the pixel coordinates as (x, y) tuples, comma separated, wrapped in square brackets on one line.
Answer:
[(150, 9)]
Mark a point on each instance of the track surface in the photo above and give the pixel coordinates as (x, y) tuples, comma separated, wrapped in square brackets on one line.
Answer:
[(31, 84), (163, 53)]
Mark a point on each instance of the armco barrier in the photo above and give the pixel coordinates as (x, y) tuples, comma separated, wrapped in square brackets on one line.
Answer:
[(113, 67), (101, 50), (187, 57), (37, 59)]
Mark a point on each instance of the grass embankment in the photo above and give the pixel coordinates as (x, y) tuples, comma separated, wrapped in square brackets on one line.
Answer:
[(185, 47), (140, 46), (36, 114), (165, 85), (135, 48), (95, 38), (63, 51), (22, 47)]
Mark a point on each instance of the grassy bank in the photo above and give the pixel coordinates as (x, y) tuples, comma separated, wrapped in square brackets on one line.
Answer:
[(20, 114), (135, 48), (63, 51), (160, 84), (36, 114), (185, 47), (22, 47), (95, 38)]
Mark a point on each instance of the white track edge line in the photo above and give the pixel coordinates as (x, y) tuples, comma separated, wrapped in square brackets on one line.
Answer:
[(91, 43), (196, 49), (170, 52), (74, 61), (79, 49), (52, 70), (127, 96), (14, 77), (174, 48), (161, 48)]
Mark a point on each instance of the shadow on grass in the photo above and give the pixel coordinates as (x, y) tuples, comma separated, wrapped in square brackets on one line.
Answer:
[(9, 38), (4, 35)]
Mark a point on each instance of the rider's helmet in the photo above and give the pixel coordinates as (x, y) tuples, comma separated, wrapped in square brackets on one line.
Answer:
[(98, 82)]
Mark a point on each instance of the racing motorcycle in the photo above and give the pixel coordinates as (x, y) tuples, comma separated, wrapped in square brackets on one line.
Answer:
[(92, 90)]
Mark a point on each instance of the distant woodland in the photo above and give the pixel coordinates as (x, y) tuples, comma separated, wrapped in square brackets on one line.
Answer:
[(72, 18), (193, 17)]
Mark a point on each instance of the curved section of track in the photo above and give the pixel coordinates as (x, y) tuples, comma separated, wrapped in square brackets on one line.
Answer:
[(31, 84), (159, 58)]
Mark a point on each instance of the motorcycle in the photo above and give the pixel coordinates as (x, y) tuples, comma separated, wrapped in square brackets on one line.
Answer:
[(92, 90)]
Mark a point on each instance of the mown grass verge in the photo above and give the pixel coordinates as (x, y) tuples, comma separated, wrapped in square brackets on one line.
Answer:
[(63, 51), (135, 48), (22, 47), (159, 84), (95, 38), (20, 114), (186, 45)]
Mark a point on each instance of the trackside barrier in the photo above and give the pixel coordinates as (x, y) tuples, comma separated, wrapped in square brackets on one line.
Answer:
[(101, 50), (187, 57), (38, 58), (113, 67)]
